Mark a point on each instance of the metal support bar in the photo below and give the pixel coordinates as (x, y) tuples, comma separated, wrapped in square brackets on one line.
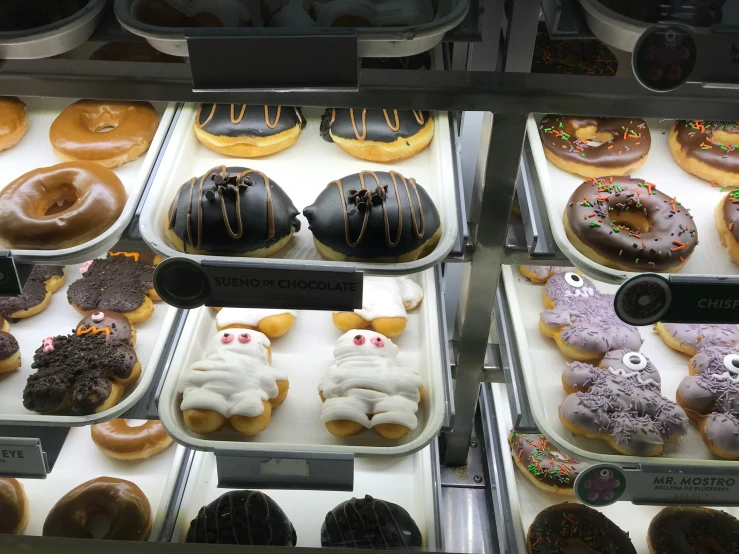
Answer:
[(446, 358), (174, 501), (523, 21), (492, 366)]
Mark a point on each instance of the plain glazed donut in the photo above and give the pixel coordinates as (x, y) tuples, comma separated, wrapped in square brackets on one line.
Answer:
[(691, 529), (13, 122), (122, 502), (75, 134), (14, 507), (707, 149), (116, 439), (57, 207)]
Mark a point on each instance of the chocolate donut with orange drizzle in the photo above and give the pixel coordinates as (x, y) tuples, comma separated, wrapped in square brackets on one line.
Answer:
[(248, 131), (374, 216), (627, 224), (707, 149), (378, 135)]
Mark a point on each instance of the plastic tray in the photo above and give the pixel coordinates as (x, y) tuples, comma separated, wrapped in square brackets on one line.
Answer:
[(709, 257), (303, 171), (612, 28), (34, 151), (407, 482), (60, 319), (372, 42), (307, 352), (542, 364), (55, 38)]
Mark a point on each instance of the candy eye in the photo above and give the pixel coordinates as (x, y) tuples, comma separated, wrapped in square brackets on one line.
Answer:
[(574, 280), (358, 339), (731, 363), (97, 317), (604, 472), (226, 338), (244, 338), (634, 361), (378, 342)]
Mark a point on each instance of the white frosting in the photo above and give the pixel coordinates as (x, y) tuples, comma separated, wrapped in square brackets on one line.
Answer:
[(388, 297), (393, 389), (379, 13), (234, 378), (622, 372), (247, 316), (230, 12)]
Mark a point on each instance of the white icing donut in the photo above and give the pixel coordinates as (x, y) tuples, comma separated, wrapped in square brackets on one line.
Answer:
[(367, 360), (379, 13), (388, 297), (234, 378), (247, 316)]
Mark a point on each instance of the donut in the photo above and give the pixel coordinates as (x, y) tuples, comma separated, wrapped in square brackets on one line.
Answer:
[(4, 324), (727, 217), (571, 57), (117, 327), (374, 216), (247, 131), (626, 223), (14, 507), (370, 523), (193, 13), (36, 296), (120, 441), (575, 527), (57, 207), (707, 149), (231, 210), (117, 283), (120, 501), (76, 134), (84, 372), (620, 403), (132, 52), (379, 13), (234, 382), (365, 388), (691, 530), (378, 135), (10, 353), (273, 323), (242, 517), (542, 273), (543, 464), (712, 360), (690, 338), (13, 121), (385, 301)]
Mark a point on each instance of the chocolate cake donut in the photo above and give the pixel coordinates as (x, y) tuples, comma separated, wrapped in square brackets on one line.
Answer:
[(692, 530), (10, 355), (43, 281), (248, 131), (707, 149), (242, 517), (231, 210), (374, 216), (370, 523)]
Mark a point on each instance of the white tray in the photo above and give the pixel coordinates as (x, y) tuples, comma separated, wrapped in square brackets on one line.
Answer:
[(542, 364), (80, 460), (306, 352), (60, 318), (303, 171), (526, 500), (557, 185), (407, 482), (614, 29), (34, 151)]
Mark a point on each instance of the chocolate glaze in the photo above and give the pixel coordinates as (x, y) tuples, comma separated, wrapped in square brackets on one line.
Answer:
[(34, 291), (370, 523), (242, 517), (565, 528), (693, 530), (571, 57), (12, 506), (547, 464), (257, 211), (358, 215), (415, 62), (8, 345), (372, 125), (699, 335), (115, 283), (731, 212), (630, 137), (711, 359), (240, 120), (118, 326), (696, 140), (597, 211)]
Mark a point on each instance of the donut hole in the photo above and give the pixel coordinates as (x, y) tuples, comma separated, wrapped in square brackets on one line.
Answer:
[(592, 137), (135, 422), (59, 200), (98, 524), (635, 221), (102, 123)]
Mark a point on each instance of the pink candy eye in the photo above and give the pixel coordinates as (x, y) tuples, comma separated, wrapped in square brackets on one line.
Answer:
[(48, 344), (86, 266), (378, 342), (244, 338), (226, 338), (97, 317), (358, 339)]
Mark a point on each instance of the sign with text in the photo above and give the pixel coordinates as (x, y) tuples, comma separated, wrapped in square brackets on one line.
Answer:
[(22, 458), (10, 284)]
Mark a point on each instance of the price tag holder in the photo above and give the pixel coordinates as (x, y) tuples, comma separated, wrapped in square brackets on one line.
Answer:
[(10, 283), (21, 457)]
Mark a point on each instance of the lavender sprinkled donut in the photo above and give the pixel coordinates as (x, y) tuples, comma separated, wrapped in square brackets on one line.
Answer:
[(713, 360), (691, 338), (540, 273)]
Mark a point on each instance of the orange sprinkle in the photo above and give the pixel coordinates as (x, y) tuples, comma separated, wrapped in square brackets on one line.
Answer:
[(537, 541), (611, 178), (637, 143), (636, 236), (611, 146), (603, 198), (731, 226), (682, 259), (644, 244), (586, 199), (619, 153), (626, 132), (592, 215), (600, 221), (580, 148)]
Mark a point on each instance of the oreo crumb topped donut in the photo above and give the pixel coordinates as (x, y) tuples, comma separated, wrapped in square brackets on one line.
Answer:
[(242, 517), (693, 530), (231, 210), (10, 355), (43, 281), (374, 216), (370, 523)]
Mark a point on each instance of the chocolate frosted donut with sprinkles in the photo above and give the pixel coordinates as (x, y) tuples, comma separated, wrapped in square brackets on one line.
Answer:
[(727, 219), (626, 223), (593, 146), (693, 530), (707, 149)]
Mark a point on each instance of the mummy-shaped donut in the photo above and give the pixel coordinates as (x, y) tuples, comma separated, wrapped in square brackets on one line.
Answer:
[(273, 323), (233, 383), (620, 403), (365, 388)]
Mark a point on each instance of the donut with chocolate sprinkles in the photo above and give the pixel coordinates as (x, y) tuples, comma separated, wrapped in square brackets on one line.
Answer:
[(727, 223), (543, 464)]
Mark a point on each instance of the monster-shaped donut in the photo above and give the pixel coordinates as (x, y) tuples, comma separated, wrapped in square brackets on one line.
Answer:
[(541, 273), (711, 398), (582, 321), (707, 149), (43, 281), (620, 403), (690, 338), (233, 383), (710, 360), (10, 353)]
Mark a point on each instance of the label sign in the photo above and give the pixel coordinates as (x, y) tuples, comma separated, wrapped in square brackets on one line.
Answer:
[(10, 284), (22, 458)]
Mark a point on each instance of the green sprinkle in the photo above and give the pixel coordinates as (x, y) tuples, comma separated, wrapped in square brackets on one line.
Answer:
[(547, 129), (616, 230), (704, 148), (582, 154), (586, 204), (636, 261), (594, 224), (618, 188), (624, 128), (638, 206)]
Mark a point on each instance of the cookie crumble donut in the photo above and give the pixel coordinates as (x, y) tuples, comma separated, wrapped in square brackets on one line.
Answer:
[(273, 323), (678, 529), (14, 507), (36, 295), (10, 353), (13, 121), (121, 441), (594, 146), (76, 134), (707, 149), (626, 223)]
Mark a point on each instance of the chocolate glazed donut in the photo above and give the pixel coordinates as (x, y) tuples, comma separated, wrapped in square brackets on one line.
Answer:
[(374, 215), (691, 530)]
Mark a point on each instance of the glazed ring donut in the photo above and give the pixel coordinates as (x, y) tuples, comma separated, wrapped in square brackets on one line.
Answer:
[(627, 224), (57, 207), (117, 439), (122, 502), (13, 121), (14, 507), (75, 134), (594, 146), (707, 149), (689, 528)]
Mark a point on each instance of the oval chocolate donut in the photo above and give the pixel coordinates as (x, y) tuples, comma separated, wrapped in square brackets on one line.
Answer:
[(707, 149), (692, 529), (727, 223), (627, 224), (594, 146)]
